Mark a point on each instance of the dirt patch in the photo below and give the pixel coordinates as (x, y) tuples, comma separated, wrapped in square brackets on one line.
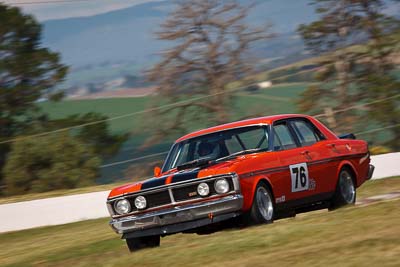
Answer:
[(378, 198)]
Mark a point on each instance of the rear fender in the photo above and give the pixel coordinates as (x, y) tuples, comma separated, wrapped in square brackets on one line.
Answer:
[(346, 163)]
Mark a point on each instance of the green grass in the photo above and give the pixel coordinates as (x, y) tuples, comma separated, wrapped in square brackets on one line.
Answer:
[(354, 236), (277, 99), (110, 107), (113, 107), (380, 186)]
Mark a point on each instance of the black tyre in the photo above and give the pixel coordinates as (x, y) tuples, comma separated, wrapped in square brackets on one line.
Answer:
[(262, 210), (138, 243), (345, 193)]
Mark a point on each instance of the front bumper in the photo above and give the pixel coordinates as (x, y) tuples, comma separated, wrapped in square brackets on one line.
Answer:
[(179, 218)]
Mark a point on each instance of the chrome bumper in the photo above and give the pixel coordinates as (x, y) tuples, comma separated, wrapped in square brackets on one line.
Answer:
[(179, 214), (370, 171)]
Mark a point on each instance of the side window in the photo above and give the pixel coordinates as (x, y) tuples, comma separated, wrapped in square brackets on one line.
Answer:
[(277, 143), (254, 139), (283, 138), (233, 145), (305, 132)]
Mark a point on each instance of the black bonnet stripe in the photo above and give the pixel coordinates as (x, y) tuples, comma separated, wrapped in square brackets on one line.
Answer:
[(154, 182), (179, 177)]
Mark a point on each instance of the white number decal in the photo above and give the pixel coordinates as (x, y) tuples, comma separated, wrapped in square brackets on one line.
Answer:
[(299, 174)]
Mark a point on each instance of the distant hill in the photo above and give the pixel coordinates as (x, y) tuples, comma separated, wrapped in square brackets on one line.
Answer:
[(117, 43), (127, 34)]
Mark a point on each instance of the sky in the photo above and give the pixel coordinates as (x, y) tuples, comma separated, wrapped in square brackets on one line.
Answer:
[(74, 8)]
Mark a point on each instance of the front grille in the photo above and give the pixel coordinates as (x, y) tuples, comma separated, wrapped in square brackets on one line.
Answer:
[(153, 199), (181, 193), (158, 199), (185, 193)]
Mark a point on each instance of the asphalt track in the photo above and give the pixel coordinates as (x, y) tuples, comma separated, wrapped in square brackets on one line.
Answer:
[(73, 208)]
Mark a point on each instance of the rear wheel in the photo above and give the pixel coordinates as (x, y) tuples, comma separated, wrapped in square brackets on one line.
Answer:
[(262, 210), (345, 190), (138, 243)]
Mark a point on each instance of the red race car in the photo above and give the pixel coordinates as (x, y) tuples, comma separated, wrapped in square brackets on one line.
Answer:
[(258, 169)]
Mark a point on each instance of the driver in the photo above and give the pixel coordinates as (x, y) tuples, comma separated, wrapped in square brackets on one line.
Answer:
[(207, 149)]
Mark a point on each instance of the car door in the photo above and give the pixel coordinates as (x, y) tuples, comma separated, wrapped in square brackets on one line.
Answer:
[(315, 148), (294, 161)]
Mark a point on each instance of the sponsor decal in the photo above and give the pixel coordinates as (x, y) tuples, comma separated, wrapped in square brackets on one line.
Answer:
[(280, 199), (312, 184), (192, 194)]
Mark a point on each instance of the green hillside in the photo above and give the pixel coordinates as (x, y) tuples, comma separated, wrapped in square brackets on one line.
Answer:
[(110, 107), (274, 100)]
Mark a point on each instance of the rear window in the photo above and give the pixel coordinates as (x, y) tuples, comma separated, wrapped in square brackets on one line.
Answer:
[(283, 138), (306, 132)]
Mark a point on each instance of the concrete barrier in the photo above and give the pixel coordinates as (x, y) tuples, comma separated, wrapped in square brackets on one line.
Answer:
[(73, 208), (52, 211), (386, 165)]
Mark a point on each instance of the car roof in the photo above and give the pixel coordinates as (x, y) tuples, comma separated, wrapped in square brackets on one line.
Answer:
[(242, 123)]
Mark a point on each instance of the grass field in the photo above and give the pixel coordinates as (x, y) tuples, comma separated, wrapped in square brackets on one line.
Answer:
[(354, 236), (112, 107)]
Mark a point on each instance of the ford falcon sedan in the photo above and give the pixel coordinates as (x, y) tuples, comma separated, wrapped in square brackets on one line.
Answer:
[(257, 170)]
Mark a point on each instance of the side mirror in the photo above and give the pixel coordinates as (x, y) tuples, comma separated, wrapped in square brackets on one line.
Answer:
[(157, 171)]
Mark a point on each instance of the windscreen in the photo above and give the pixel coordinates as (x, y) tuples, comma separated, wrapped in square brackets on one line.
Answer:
[(217, 145)]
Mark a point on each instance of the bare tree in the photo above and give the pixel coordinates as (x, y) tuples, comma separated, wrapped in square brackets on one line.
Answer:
[(359, 42), (211, 44)]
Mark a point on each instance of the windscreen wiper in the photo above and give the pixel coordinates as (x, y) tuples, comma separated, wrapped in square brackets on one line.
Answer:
[(195, 163), (242, 152)]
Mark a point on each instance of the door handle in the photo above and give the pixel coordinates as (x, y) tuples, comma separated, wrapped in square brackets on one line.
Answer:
[(306, 154)]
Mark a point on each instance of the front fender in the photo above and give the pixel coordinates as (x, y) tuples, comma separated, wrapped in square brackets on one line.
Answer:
[(248, 187)]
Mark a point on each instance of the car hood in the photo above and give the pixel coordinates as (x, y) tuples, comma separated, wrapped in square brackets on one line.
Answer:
[(175, 177)]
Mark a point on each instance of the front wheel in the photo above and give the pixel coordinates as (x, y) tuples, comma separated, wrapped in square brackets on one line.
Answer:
[(345, 193), (262, 210), (138, 243)]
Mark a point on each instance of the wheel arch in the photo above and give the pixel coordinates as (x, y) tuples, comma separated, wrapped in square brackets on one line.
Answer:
[(348, 165), (257, 180)]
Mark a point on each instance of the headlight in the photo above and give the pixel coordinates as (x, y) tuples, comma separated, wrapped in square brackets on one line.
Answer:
[(140, 202), (122, 206), (221, 186), (203, 189)]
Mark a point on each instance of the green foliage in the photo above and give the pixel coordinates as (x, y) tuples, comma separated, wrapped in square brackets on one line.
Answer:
[(95, 135), (376, 150), (47, 163), (28, 72)]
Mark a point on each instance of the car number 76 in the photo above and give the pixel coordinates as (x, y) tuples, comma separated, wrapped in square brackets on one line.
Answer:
[(299, 175)]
